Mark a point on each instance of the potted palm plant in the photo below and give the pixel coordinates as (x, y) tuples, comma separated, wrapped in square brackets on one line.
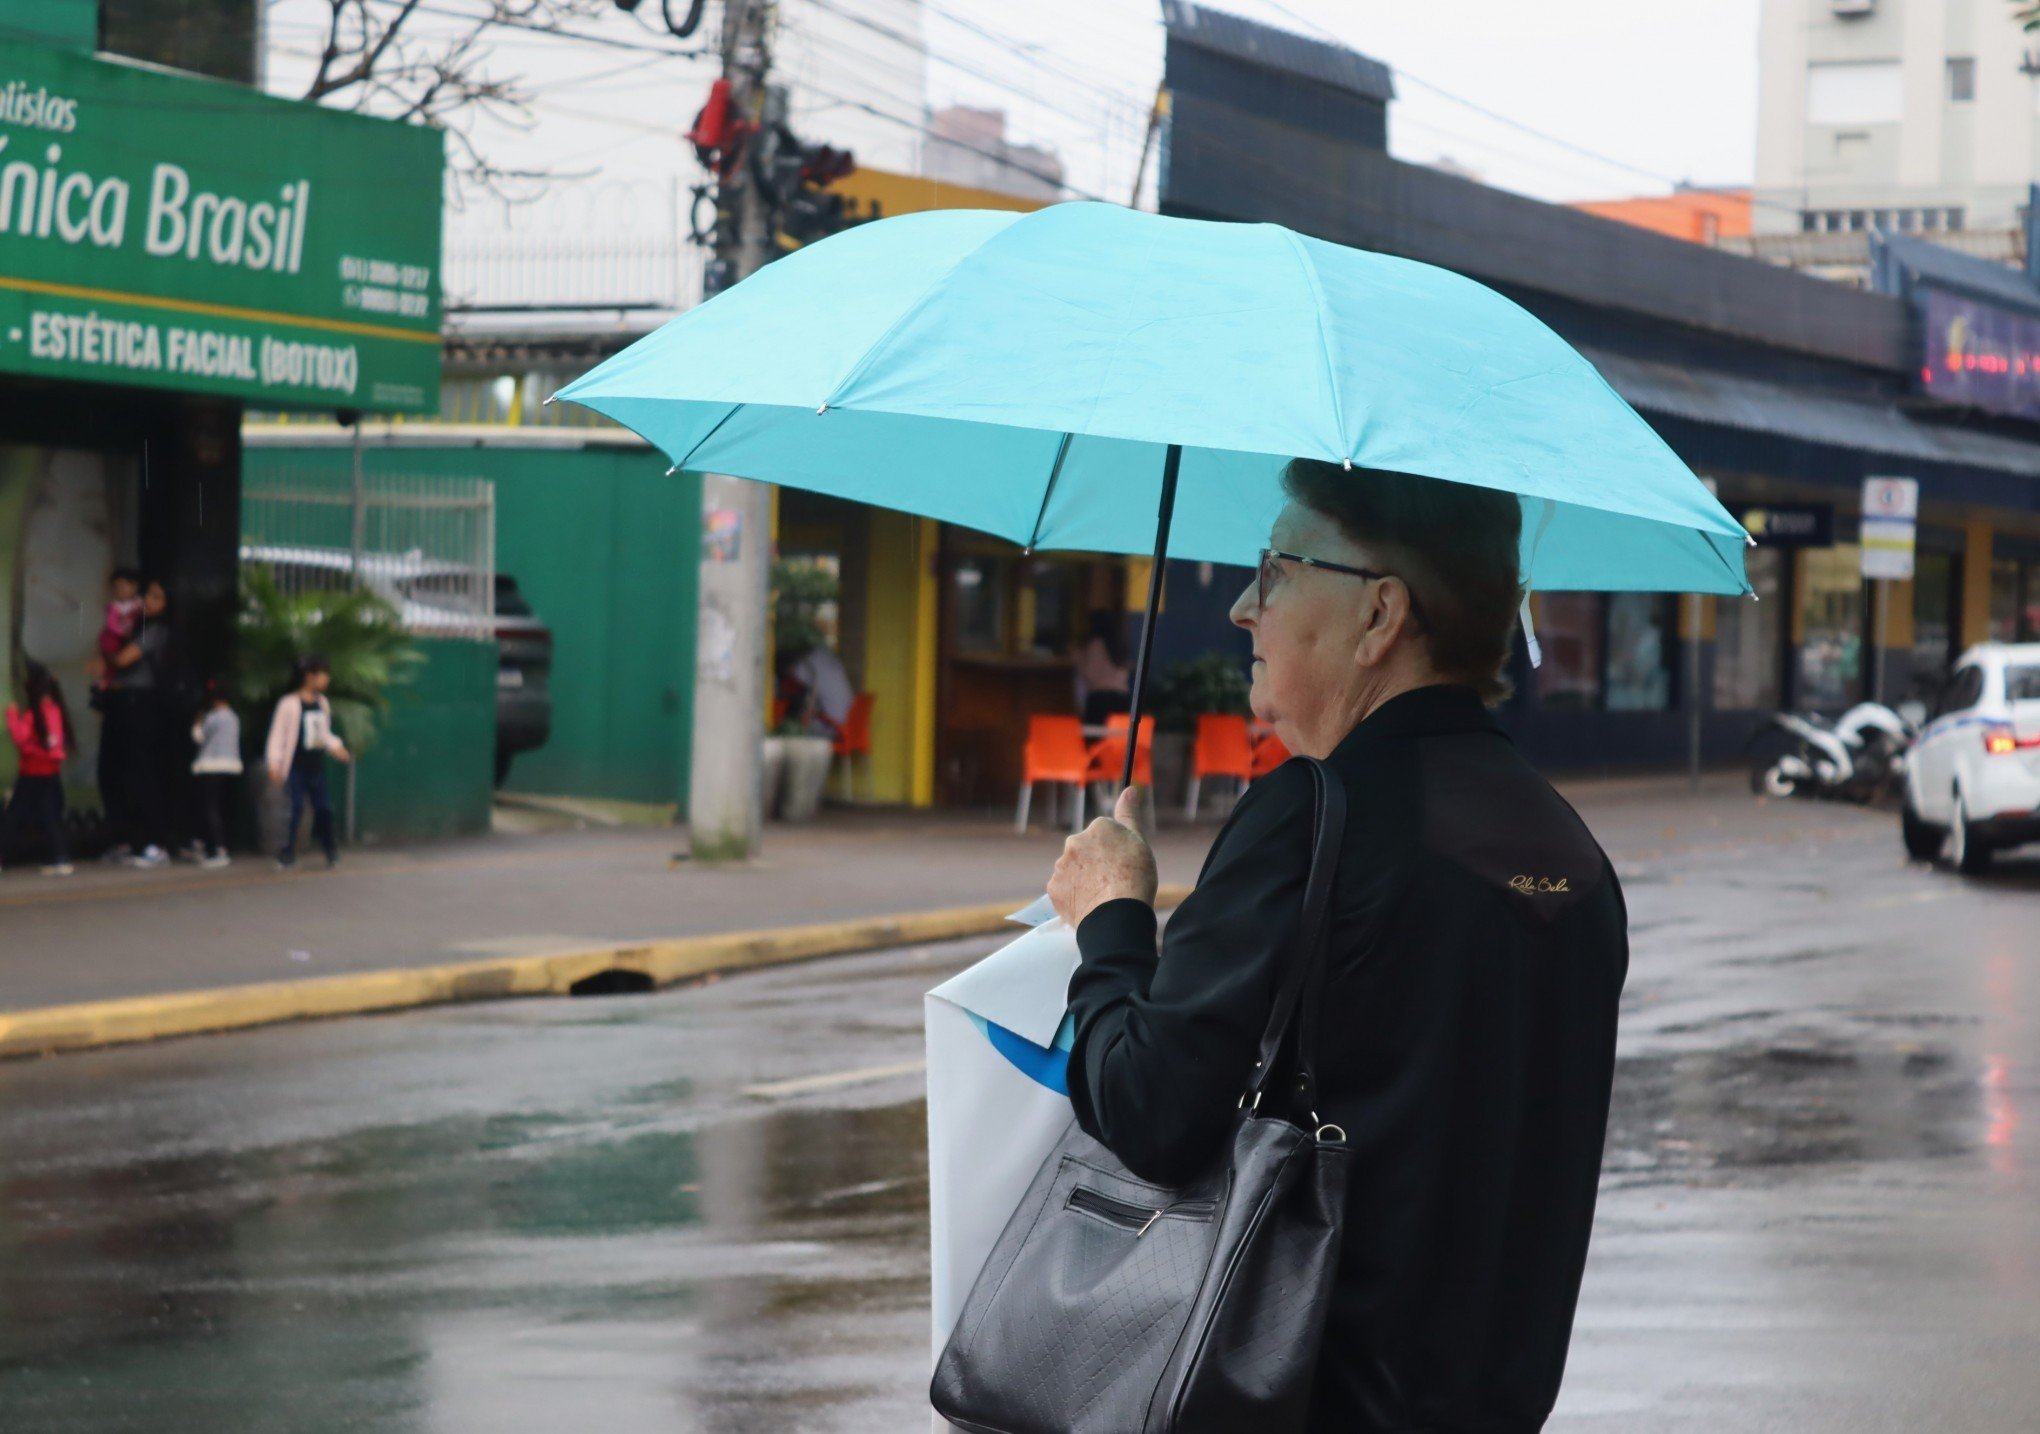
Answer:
[(362, 638), (1212, 682)]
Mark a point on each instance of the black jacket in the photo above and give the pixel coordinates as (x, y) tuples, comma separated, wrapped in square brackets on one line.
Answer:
[(1479, 944)]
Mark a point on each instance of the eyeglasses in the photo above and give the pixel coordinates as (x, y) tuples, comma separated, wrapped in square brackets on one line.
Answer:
[(1269, 571)]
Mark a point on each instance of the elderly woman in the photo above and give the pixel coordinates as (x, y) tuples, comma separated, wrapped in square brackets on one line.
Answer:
[(1478, 950)]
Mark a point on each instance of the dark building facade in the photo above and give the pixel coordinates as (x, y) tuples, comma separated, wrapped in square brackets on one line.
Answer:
[(1784, 391)]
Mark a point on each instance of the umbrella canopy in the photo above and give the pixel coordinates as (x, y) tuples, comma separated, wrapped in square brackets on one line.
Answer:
[(1026, 374)]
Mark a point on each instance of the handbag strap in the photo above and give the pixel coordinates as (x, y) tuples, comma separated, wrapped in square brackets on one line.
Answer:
[(1303, 980)]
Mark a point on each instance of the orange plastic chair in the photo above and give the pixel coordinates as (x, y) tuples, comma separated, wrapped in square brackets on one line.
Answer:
[(853, 740), (1222, 749), (1108, 754), (1055, 752), (1269, 753)]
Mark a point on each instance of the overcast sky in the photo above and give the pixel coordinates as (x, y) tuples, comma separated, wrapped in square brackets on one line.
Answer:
[(1588, 98)]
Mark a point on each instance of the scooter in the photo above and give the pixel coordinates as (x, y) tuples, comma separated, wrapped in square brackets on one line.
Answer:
[(1855, 757)]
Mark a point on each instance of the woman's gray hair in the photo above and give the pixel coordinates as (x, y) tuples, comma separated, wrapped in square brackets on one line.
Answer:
[(1454, 544)]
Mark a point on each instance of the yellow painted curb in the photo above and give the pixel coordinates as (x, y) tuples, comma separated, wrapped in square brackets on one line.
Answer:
[(50, 1029)]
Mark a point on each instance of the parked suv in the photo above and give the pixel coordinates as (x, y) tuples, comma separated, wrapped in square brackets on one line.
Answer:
[(1972, 780), (433, 596), (524, 647)]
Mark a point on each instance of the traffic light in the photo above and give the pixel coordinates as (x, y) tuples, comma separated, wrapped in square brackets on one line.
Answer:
[(812, 210)]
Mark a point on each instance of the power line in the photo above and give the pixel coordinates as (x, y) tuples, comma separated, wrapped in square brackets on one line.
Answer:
[(506, 22), (918, 126), (1025, 53), (1498, 117), (920, 46)]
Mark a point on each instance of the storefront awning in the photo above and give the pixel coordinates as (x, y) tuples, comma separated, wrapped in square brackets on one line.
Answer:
[(1706, 396)]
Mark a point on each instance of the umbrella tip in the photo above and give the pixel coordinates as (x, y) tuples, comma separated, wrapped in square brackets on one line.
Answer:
[(1349, 465), (823, 409), (674, 469), (548, 399)]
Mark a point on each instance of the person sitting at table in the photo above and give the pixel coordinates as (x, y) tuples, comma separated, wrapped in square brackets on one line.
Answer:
[(1102, 675), (825, 693)]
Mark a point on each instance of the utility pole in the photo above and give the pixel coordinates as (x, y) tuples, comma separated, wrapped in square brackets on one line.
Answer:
[(724, 811)]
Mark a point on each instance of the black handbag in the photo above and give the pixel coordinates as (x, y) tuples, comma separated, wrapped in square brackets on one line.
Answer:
[(1111, 1305)]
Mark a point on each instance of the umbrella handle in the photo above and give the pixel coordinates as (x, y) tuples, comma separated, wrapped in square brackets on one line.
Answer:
[(1170, 465)]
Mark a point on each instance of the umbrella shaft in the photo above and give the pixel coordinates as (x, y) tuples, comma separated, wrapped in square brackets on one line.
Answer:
[(1170, 464)]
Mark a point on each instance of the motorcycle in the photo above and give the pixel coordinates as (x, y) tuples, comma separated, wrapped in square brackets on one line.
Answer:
[(1855, 757)]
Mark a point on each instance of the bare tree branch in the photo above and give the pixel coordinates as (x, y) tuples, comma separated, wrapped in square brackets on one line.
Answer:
[(377, 59)]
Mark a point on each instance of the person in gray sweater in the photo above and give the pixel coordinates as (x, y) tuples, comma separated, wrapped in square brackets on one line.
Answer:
[(215, 771)]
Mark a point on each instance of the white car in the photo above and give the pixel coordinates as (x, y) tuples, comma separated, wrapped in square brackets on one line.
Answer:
[(1972, 780)]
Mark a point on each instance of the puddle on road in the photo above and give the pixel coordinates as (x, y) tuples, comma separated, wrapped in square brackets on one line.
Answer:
[(214, 1289), (1788, 1101)]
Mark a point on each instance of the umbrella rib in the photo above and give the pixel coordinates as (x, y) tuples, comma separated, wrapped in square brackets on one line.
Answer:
[(1317, 294), (681, 463), (1055, 471), (1707, 543), (910, 312)]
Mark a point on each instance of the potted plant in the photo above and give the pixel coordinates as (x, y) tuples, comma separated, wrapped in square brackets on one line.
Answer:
[(1213, 682), (772, 767), (807, 759)]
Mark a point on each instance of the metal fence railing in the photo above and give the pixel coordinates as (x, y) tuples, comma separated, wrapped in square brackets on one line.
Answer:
[(423, 542), (580, 247)]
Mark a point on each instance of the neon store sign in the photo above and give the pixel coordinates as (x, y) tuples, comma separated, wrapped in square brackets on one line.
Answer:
[(1979, 354)]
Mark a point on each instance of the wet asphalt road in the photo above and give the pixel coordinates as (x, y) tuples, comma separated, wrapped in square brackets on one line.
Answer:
[(703, 1210)]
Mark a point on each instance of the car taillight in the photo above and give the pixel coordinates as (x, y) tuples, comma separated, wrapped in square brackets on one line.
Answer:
[(1998, 741)]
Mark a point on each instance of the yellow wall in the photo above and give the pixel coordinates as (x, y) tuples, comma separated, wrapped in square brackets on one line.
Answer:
[(1704, 606), (886, 193), (899, 656), (1897, 621), (1976, 582)]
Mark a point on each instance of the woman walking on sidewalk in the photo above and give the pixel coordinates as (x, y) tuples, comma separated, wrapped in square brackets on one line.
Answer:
[(41, 729), (301, 737)]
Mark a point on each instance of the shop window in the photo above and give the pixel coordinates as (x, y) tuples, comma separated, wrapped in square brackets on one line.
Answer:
[(1640, 640), (1569, 630), (1747, 635), (2004, 600), (2015, 600), (1052, 589), (1934, 632), (980, 604), (1831, 655)]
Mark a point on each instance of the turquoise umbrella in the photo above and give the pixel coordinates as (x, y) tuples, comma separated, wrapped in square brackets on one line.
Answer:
[(1095, 378)]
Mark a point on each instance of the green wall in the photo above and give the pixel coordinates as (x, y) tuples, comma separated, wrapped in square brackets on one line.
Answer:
[(71, 23), (431, 772), (605, 546)]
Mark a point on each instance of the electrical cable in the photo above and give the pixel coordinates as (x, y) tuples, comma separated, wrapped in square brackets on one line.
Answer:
[(686, 28), (557, 31)]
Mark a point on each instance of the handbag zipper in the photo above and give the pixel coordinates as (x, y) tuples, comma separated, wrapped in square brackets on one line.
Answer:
[(1137, 1218)]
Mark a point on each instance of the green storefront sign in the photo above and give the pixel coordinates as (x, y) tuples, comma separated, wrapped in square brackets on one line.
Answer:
[(175, 232)]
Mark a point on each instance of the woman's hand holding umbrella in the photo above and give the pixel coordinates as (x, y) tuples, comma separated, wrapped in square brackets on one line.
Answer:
[(1109, 859)]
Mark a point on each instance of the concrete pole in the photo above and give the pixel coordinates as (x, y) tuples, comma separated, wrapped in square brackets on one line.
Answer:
[(724, 811), (1693, 688), (1880, 590), (356, 540)]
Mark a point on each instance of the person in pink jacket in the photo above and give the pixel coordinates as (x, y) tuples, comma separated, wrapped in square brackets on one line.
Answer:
[(301, 737), (40, 727)]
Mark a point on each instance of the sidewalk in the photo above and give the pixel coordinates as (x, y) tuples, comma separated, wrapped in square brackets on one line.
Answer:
[(109, 933)]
